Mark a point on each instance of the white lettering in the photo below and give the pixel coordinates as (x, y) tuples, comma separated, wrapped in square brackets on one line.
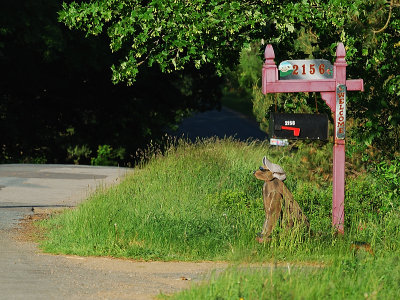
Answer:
[(340, 111), (290, 123)]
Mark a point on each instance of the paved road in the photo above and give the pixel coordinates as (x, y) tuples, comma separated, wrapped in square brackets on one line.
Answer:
[(23, 187), (220, 123)]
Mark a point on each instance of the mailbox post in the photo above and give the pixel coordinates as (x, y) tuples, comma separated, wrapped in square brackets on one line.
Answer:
[(312, 77)]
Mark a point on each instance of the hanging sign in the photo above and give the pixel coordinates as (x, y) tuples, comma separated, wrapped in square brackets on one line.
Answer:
[(341, 111), (298, 126), (309, 69)]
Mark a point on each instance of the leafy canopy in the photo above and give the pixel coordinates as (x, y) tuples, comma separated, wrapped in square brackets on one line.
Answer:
[(169, 33)]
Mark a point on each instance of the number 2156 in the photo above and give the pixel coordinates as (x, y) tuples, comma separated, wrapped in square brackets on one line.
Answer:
[(303, 69)]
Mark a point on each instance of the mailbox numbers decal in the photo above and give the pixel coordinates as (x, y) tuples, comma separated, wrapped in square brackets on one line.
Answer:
[(290, 123), (311, 69)]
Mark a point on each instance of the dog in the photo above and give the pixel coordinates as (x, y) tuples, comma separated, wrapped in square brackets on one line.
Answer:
[(358, 246), (276, 195)]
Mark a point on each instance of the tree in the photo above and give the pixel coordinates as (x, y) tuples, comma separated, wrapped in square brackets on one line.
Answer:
[(174, 34)]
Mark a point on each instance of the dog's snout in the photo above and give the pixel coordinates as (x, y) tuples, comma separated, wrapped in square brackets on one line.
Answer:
[(254, 172)]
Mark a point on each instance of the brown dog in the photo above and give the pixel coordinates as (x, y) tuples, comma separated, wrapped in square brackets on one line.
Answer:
[(276, 194)]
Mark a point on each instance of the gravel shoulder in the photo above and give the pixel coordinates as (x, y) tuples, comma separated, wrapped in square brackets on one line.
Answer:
[(28, 273)]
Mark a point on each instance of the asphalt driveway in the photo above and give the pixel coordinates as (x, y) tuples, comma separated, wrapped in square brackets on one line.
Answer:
[(24, 187)]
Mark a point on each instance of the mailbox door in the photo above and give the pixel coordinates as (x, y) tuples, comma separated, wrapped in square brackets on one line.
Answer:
[(298, 126)]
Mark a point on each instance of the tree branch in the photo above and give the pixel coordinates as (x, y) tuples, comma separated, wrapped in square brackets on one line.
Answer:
[(388, 19)]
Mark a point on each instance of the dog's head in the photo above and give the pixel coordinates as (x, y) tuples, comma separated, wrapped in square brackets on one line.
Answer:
[(264, 174), (269, 171)]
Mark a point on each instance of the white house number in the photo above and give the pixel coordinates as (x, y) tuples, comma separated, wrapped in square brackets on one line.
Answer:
[(290, 123)]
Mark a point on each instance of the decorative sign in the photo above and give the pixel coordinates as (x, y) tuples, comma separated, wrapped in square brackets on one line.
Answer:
[(341, 91), (298, 126), (311, 69)]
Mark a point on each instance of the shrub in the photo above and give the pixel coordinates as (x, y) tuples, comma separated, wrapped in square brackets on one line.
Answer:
[(107, 156)]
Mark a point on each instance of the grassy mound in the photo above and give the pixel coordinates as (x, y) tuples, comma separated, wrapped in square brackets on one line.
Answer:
[(201, 202)]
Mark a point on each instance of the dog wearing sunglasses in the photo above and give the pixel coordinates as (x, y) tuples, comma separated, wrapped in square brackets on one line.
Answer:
[(278, 201)]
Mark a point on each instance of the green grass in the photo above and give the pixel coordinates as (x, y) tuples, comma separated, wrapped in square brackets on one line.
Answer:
[(201, 202), (361, 277)]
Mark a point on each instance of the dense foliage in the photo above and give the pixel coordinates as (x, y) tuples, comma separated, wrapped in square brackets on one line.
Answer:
[(370, 31), (169, 33)]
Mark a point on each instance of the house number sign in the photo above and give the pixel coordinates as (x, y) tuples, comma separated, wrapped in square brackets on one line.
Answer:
[(311, 69)]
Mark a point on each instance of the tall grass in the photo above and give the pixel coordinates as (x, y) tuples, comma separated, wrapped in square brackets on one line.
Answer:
[(201, 202)]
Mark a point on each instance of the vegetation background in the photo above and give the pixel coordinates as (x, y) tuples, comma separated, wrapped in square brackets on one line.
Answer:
[(134, 69)]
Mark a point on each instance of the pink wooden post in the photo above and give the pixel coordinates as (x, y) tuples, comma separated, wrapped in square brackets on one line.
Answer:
[(339, 151), (333, 92)]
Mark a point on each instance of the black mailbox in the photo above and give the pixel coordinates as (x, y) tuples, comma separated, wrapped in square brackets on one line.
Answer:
[(298, 126)]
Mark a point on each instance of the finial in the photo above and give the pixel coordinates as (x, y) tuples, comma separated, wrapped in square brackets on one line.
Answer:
[(340, 53), (269, 54)]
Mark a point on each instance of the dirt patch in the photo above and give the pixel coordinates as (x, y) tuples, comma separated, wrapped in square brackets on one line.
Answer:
[(111, 278), (28, 230)]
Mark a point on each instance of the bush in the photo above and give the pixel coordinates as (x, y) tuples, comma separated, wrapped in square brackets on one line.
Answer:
[(389, 172), (107, 156)]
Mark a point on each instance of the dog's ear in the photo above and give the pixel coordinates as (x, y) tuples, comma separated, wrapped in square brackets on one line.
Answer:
[(264, 161)]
